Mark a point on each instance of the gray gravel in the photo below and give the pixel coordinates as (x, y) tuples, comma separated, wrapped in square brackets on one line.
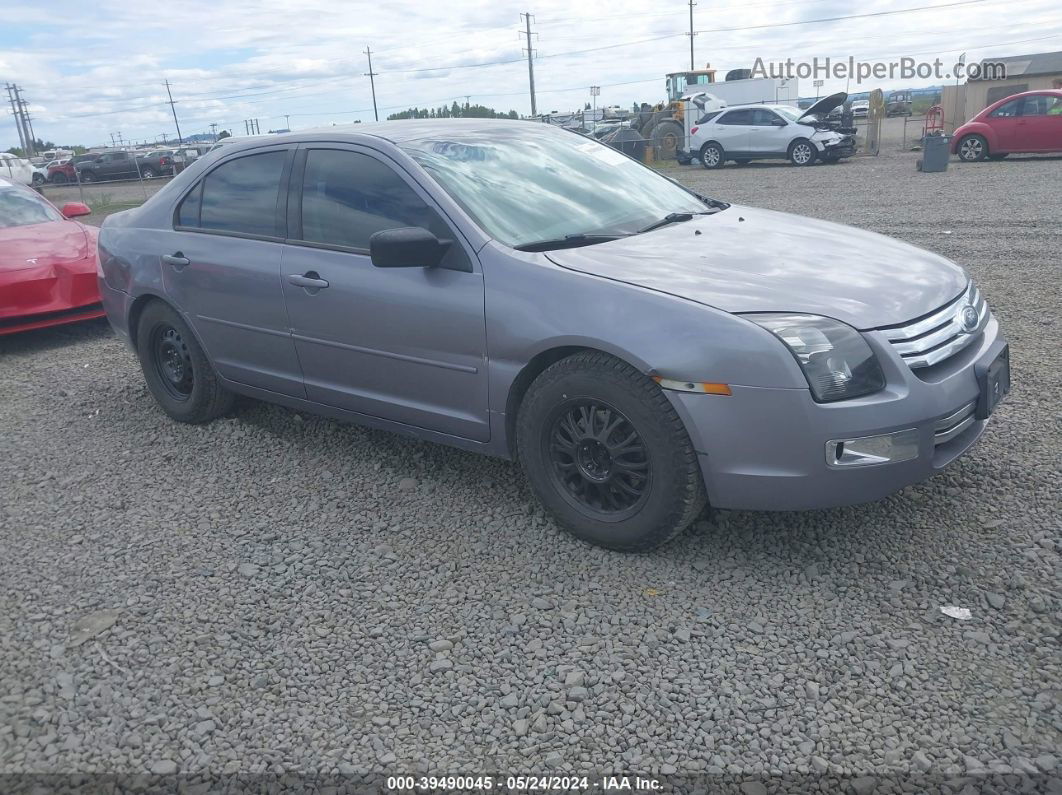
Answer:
[(277, 592)]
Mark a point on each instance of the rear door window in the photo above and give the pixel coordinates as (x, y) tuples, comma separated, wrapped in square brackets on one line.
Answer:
[(239, 196), (736, 117)]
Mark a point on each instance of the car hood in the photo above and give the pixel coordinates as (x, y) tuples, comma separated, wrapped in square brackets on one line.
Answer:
[(51, 243), (748, 260), (825, 105)]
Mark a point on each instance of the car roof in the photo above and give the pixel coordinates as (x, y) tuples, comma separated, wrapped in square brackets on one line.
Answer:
[(397, 131)]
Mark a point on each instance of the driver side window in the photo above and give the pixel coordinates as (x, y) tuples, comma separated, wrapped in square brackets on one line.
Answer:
[(348, 196), (1007, 110)]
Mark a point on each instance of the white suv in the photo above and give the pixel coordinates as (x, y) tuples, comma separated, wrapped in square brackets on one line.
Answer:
[(754, 132)]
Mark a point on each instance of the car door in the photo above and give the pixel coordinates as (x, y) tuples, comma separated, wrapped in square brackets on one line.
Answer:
[(732, 130), (1004, 122), (768, 133), (221, 267), (1041, 116), (402, 344)]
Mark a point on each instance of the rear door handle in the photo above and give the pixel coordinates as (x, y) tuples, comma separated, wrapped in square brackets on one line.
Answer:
[(310, 280), (177, 260)]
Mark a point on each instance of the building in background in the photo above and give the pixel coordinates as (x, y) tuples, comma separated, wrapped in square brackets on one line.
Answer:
[(1024, 73)]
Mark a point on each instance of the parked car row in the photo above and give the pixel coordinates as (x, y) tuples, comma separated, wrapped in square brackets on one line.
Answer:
[(123, 164)]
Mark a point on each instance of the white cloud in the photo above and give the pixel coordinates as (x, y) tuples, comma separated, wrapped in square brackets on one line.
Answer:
[(229, 60)]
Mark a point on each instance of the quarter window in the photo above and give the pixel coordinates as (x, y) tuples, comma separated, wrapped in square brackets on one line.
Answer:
[(239, 196), (347, 197)]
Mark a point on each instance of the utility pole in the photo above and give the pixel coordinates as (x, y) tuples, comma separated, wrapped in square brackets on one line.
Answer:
[(372, 83), (530, 65), (16, 113), (214, 131), (691, 34), (113, 144), (287, 121), (173, 108), (27, 123), (246, 127)]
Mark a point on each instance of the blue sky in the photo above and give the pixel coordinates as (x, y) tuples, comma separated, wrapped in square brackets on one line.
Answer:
[(91, 70)]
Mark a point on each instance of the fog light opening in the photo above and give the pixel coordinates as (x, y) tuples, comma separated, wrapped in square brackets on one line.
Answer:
[(886, 448)]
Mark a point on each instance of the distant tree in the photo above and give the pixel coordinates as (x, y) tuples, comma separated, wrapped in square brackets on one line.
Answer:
[(224, 134), (454, 111)]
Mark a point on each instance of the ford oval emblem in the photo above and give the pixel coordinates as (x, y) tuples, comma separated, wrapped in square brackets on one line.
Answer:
[(968, 318)]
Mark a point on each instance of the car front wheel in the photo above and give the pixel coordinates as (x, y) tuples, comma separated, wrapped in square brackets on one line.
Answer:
[(176, 369), (712, 156), (607, 455), (802, 153), (973, 148)]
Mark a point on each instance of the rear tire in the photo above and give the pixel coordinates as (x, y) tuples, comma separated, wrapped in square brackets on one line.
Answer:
[(802, 152), (58, 178), (176, 369), (667, 137), (712, 155), (147, 173), (607, 455), (37, 179), (88, 176), (972, 148)]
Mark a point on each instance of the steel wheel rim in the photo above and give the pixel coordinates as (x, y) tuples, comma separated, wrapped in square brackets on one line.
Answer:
[(711, 156), (971, 148), (597, 459), (801, 153), (172, 362)]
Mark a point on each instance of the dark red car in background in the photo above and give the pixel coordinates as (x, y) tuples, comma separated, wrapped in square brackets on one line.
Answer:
[(63, 171), (47, 262), (1030, 123)]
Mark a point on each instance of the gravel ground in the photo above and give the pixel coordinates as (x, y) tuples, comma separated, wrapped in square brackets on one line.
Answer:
[(277, 592)]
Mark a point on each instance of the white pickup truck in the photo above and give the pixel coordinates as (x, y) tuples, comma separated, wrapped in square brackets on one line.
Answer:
[(16, 169)]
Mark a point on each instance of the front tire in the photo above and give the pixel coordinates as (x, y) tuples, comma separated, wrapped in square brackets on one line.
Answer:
[(973, 148), (802, 152), (607, 455), (176, 368), (712, 156), (88, 176)]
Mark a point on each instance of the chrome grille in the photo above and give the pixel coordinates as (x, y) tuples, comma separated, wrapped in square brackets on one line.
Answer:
[(940, 335), (947, 428)]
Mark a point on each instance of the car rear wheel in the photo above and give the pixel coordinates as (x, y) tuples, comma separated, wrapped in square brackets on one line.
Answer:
[(147, 173), (59, 178), (712, 156), (88, 176), (176, 368), (973, 148), (38, 179), (607, 455), (802, 152)]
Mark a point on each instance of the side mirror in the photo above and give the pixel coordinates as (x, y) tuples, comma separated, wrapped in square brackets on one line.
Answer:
[(778, 123), (74, 209), (407, 247)]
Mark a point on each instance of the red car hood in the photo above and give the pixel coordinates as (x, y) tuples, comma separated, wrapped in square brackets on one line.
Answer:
[(52, 243)]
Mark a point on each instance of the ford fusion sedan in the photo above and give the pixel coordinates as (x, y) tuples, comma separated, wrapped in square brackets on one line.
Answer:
[(1029, 123), (47, 262), (513, 289)]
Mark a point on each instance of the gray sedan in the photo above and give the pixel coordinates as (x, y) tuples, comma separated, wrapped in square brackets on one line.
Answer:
[(525, 292)]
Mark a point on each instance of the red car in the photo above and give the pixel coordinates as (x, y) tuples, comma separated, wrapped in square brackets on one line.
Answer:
[(47, 262), (1029, 123)]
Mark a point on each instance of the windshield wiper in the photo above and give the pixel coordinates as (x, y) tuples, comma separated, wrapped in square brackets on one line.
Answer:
[(568, 241), (670, 218)]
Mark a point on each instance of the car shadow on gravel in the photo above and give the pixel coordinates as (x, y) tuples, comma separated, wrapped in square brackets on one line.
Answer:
[(46, 339)]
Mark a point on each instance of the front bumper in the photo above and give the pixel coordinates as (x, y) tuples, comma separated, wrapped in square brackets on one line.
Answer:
[(765, 449)]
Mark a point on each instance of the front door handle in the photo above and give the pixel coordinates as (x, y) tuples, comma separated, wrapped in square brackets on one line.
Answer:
[(310, 280), (177, 259)]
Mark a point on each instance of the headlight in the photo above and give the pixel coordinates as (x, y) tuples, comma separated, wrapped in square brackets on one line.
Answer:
[(835, 358)]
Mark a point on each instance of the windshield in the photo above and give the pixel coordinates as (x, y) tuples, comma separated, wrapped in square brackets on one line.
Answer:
[(526, 185), (789, 112), (22, 207)]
